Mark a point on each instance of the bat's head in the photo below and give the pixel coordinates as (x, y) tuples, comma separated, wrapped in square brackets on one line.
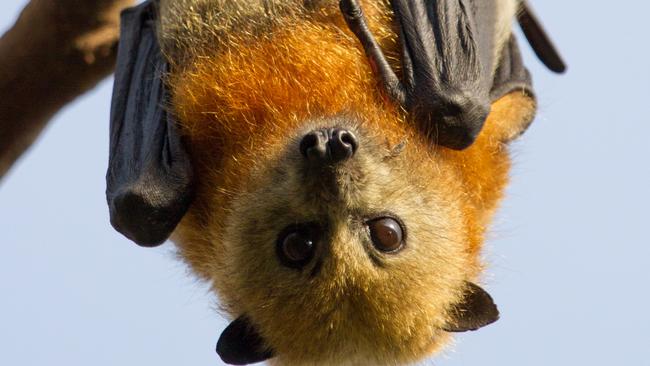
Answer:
[(347, 248)]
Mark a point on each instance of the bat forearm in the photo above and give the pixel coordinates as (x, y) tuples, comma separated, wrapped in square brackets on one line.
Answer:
[(56, 51)]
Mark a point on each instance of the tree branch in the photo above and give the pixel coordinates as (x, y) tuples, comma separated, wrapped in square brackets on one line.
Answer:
[(56, 51)]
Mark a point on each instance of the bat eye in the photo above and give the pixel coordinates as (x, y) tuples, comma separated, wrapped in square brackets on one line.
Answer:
[(296, 245), (387, 234)]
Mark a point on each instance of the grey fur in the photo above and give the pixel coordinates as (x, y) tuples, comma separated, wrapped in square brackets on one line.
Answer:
[(190, 28)]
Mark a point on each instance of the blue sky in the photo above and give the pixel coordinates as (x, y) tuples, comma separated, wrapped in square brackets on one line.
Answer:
[(569, 251)]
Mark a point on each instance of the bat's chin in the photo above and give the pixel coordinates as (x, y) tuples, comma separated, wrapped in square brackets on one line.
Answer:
[(356, 329), (359, 347)]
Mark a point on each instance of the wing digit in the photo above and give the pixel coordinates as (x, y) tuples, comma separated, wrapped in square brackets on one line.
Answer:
[(539, 39)]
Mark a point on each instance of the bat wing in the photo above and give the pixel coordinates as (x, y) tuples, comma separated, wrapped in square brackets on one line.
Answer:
[(149, 177), (444, 83), (448, 62), (511, 74), (447, 53), (538, 39)]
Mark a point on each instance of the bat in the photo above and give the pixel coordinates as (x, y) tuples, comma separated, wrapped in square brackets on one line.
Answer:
[(329, 168)]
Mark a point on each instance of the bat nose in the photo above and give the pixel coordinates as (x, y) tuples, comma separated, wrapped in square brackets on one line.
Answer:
[(329, 146)]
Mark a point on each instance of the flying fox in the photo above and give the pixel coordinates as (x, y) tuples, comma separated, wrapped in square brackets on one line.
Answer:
[(330, 168)]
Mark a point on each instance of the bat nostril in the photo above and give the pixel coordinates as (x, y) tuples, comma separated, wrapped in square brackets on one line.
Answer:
[(329, 145), (313, 146), (343, 145)]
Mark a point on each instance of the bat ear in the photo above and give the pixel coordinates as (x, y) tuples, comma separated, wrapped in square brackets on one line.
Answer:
[(240, 344), (149, 177), (474, 311)]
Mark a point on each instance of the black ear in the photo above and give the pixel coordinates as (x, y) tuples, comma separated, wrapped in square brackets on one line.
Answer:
[(474, 311), (149, 177), (538, 39), (240, 344)]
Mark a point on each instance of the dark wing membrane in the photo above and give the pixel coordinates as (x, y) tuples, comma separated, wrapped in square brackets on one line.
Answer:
[(538, 39), (449, 64), (448, 59), (149, 177), (511, 74)]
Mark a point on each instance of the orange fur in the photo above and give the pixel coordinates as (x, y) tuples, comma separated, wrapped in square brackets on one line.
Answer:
[(240, 108), (232, 111)]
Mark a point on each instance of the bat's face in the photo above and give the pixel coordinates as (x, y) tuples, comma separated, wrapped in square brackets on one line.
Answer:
[(343, 243), (347, 245)]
